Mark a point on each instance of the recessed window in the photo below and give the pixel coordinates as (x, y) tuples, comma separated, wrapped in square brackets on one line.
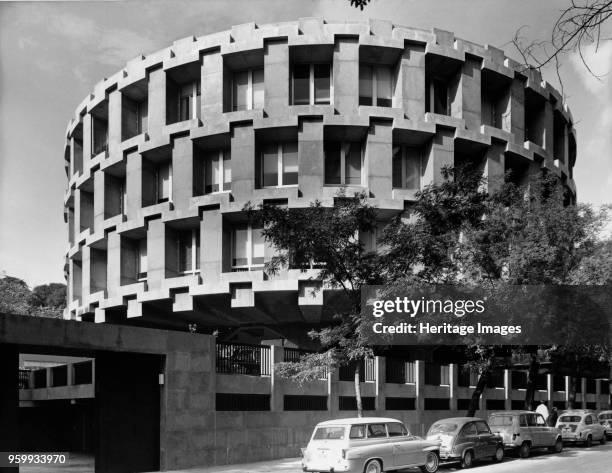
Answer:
[(142, 261), (189, 101), (248, 248), (343, 162), (311, 84), (188, 244), (100, 135), (406, 167), (437, 96), (163, 182), (248, 90), (217, 171), (375, 85), (279, 164)]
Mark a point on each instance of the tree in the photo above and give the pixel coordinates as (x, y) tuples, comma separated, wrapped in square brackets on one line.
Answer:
[(46, 300), (330, 239)]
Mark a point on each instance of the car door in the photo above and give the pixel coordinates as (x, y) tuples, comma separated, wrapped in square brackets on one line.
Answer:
[(405, 451), (468, 438), (543, 432), (379, 444), (487, 442), (532, 430)]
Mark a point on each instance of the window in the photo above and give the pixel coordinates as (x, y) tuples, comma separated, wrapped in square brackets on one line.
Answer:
[(248, 90), (445, 375), (406, 167), (217, 171), (468, 430), (142, 260), (189, 101), (437, 97), (396, 429), (482, 427), (588, 420), (142, 117), (163, 180), (248, 248), (343, 163), (357, 432), (375, 85), (100, 135), (279, 164), (188, 244), (376, 431), (311, 84)]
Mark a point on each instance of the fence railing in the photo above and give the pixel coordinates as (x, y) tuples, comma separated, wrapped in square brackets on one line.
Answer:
[(238, 358), (24, 379), (367, 371)]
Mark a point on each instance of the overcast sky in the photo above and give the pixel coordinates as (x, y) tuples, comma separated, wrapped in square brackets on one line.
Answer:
[(52, 54)]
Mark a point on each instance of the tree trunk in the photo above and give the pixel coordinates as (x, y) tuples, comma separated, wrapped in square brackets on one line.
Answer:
[(532, 378), (478, 390), (358, 390)]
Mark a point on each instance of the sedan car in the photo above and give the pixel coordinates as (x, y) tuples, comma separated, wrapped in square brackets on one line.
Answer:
[(581, 426), (605, 419), (367, 445), (465, 439), (523, 431)]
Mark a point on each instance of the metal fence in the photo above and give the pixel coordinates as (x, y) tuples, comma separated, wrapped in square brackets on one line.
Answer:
[(367, 371), (24, 379), (238, 358)]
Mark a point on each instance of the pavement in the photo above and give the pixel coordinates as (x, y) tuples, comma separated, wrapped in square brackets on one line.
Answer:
[(597, 459)]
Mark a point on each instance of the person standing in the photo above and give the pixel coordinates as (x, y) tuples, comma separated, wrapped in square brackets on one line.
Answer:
[(552, 418), (542, 409)]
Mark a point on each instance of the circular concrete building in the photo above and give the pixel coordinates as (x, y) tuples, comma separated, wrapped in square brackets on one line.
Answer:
[(164, 154)]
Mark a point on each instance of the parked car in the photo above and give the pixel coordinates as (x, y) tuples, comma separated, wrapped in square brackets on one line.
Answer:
[(581, 426), (524, 431), (367, 445), (465, 439), (605, 419)]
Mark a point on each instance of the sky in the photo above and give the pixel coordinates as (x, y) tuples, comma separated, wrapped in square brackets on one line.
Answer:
[(53, 53)]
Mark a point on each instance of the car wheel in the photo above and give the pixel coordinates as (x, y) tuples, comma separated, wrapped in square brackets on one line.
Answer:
[(373, 466), (525, 450), (557, 447), (589, 442), (499, 454), (468, 459), (431, 463)]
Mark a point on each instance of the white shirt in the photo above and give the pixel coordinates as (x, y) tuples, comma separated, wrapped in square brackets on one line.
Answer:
[(542, 409)]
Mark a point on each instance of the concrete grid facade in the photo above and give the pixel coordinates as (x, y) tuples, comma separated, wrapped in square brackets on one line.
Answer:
[(162, 156)]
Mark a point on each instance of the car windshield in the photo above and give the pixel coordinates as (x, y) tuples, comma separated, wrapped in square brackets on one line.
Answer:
[(442, 428), (605, 416), (500, 421), (570, 419), (329, 433)]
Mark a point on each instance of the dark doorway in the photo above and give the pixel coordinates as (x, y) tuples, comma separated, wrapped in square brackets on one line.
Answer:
[(127, 412)]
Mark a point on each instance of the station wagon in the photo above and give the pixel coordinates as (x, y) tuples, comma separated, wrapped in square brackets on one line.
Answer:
[(367, 445)]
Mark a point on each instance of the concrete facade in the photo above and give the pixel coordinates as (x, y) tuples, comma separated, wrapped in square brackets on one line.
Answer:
[(154, 218)]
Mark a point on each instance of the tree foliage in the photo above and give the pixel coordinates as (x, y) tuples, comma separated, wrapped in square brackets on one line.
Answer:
[(46, 300)]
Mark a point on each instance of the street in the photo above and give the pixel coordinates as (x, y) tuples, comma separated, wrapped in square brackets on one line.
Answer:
[(597, 459)]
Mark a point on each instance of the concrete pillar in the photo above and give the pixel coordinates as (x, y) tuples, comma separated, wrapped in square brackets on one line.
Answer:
[(380, 369), (156, 254), (419, 387), (454, 378), (467, 103), (548, 139), (182, 171), (441, 153), (378, 159), (507, 389), (212, 84), (113, 269), (98, 196), (133, 182), (549, 390), (87, 139), (243, 161), (276, 77), (517, 111), (411, 82), (276, 392), (114, 123), (9, 401), (211, 245), (311, 158), (85, 274), (583, 393), (157, 101), (346, 75), (494, 170)]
